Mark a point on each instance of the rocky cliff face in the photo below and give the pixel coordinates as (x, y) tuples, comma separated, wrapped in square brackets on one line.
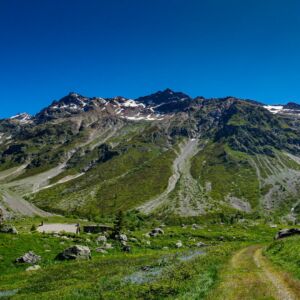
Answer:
[(162, 153)]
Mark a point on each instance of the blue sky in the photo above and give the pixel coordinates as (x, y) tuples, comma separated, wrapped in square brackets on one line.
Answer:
[(249, 49)]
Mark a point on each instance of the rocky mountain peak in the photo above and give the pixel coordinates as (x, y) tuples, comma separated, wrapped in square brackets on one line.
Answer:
[(163, 97)]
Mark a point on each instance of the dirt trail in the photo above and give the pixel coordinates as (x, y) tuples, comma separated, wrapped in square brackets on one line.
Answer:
[(249, 276), (178, 165)]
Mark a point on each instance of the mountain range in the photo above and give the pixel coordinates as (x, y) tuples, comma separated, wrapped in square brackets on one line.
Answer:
[(165, 154)]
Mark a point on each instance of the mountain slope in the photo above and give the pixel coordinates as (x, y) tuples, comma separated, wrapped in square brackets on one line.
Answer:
[(165, 153)]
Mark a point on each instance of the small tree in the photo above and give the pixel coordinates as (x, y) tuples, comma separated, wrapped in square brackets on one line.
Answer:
[(118, 224)]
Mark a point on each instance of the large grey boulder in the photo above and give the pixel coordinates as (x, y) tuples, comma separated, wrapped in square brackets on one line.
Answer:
[(286, 232), (6, 228), (29, 258), (75, 252)]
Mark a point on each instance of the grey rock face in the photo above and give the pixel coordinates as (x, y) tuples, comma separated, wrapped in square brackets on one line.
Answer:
[(75, 252)]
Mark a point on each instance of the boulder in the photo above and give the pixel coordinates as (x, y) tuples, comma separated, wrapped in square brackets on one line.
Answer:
[(201, 244), (126, 248), (123, 237), (156, 232), (29, 258), (107, 246), (101, 239), (6, 228), (100, 250), (286, 232), (33, 268), (179, 244), (134, 240), (75, 252)]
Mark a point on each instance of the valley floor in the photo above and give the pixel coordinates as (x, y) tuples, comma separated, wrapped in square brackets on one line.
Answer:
[(234, 264)]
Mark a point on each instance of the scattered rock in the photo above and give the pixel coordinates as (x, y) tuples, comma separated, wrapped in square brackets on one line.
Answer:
[(156, 232), (6, 228), (201, 244), (107, 246), (100, 250), (179, 244), (286, 232), (121, 237), (75, 252), (29, 258), (126, 248), (146, 268), (134, 240), (33, 268), (101, 239), (195, 226)]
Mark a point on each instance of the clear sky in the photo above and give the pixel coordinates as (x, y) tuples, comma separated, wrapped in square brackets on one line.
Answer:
[(244, 48)]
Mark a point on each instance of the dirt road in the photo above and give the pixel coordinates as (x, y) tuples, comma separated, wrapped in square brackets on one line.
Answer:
[(250, 275)]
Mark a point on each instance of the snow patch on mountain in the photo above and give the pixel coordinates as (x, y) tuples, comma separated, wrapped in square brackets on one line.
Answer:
[(22, 118)]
